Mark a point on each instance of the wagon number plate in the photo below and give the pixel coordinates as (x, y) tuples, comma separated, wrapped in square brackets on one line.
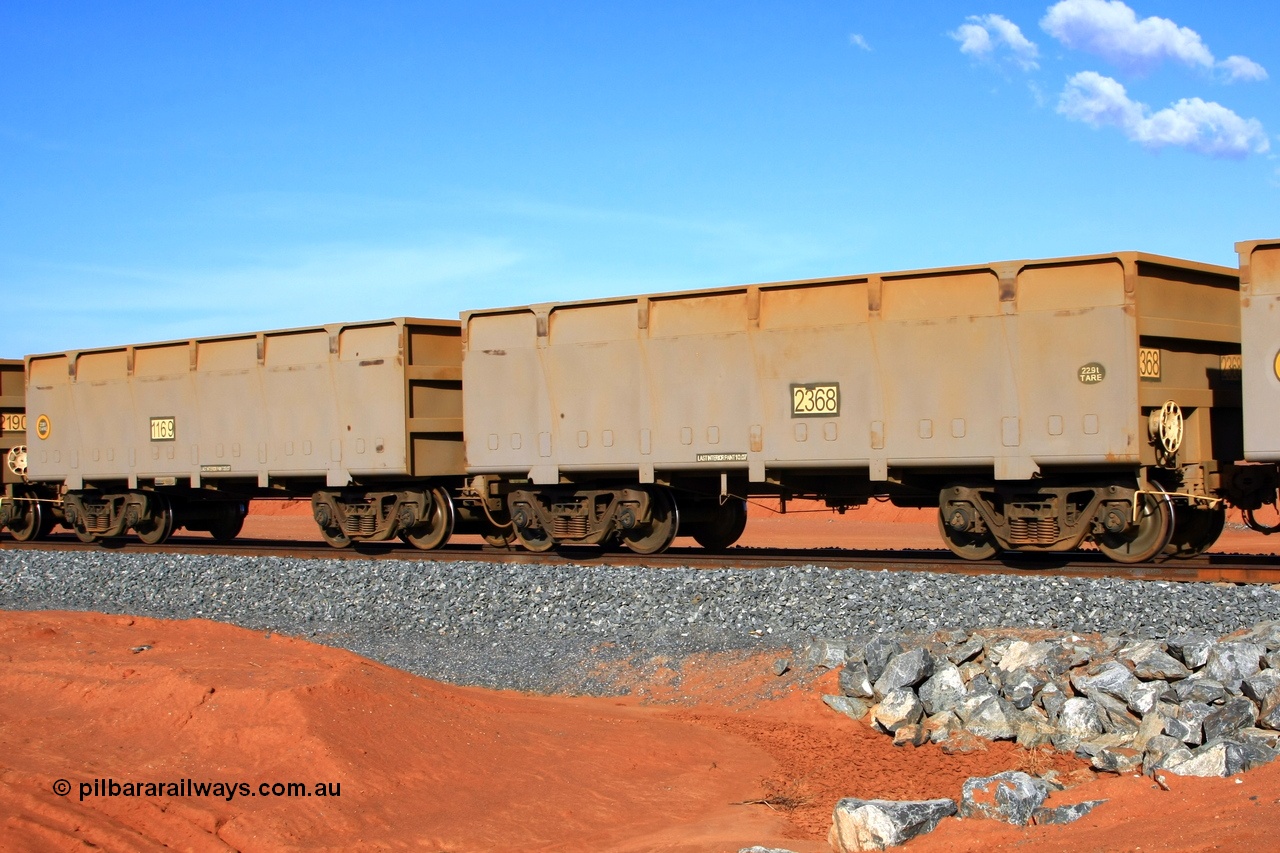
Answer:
[(14, 423), (815, 401), (162, 429), (1148, 363)]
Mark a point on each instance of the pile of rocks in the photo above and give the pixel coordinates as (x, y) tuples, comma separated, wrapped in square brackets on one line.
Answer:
[(1012, 797), (1191, 705)]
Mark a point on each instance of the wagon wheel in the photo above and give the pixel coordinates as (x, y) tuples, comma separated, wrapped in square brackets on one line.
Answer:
[(438, 527), (229, 523), (499, 537), (1195, 529), (49, 519), (969, 546), (664, 523), (535, 539), (84, 535), (160, 525), (335, 537), (1145, 539), (722, 530), (32, 521), (527, 529)]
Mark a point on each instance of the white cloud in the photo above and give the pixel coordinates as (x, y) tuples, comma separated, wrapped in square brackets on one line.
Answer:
[(983, 35), (857, 40), (1201, 126), (1242, 68), (1110, 29)]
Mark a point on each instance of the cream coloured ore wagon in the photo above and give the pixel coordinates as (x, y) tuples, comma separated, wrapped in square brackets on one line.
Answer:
[(365, 419), (1039, 405)]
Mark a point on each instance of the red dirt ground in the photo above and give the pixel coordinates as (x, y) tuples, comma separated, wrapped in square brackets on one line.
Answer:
[(427, 766), (718, 754)]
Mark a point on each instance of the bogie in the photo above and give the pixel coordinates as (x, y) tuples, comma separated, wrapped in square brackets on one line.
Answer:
[(422, 517)]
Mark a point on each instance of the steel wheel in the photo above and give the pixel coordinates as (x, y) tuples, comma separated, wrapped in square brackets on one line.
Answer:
[(84, 535), (524, 524), (438, 527), (1143, 540), (33, 521), (499, 538), (1195, 529), (335, 537), (157, 529), (664, 523), (228, 527), (724, 528), (534, 539), (969, 546)]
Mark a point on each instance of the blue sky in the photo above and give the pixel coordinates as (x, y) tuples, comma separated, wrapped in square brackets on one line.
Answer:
[(180, 169)]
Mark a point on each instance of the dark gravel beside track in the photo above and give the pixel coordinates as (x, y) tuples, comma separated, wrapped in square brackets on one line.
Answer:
[(532, 627)]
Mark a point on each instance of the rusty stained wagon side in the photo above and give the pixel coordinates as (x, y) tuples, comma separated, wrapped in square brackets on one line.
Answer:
[(1254, 486), (364, 418), (1018, 397)]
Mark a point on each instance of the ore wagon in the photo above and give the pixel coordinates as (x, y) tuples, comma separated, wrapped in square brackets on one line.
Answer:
[(364, 419), (1253, 484), (1037, 404), (26, 511)]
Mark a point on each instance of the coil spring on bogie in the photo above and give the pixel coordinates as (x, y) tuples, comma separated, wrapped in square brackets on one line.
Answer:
[(95, 523), (1033, 531), (359, 525), (570, 526)]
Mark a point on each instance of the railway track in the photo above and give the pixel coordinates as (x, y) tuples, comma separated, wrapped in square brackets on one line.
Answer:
[(1220, 568)]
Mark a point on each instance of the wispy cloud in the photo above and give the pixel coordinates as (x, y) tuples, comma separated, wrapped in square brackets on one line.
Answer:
[(988, 37), (1201, 126), (857, 40), (1112, 30), (304, 286), (1238, 68)]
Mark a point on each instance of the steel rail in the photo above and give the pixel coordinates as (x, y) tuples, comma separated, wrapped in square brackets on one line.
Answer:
[(1216, 568)]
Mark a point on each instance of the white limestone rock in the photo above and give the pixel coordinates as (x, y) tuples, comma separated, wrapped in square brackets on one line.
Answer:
[(897, 709), (1079, 718), (859, 825)]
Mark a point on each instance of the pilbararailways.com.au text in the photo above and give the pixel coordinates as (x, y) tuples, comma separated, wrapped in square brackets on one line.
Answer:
[(192, 788)]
